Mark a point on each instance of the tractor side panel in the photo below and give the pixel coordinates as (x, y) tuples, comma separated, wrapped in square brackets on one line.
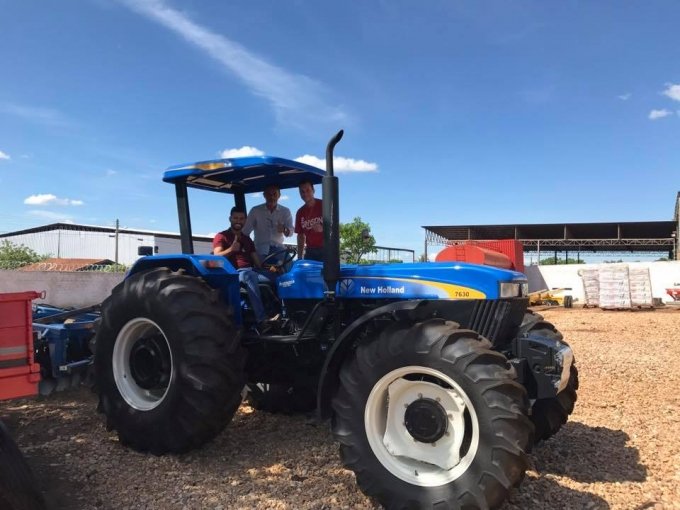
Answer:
[(398, 281)]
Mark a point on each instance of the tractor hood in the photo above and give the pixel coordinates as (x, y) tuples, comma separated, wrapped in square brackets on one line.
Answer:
[(446, 280)]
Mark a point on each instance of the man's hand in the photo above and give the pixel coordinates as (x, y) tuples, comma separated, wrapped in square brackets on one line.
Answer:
[(235, 246)]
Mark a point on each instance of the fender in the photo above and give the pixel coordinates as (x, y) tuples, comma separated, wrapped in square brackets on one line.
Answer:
[(215, 270), (410, 310)]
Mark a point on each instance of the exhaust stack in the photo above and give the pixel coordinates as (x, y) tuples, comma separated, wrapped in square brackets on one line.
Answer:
[(331, 221)]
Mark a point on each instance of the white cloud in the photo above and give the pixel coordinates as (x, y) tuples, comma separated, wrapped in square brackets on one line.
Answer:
[(4, 155), (50, 199), (340, 164), (110, 173), (284, 197), (243, 152), (625, 97), (296, 99), (659, 114), (51, 215), (672, 91)]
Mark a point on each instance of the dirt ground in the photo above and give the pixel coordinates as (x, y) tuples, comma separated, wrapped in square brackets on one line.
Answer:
[(620, 450)]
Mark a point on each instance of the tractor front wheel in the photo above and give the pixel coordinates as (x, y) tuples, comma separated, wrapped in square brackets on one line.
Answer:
[(428, 416), (168, 362)]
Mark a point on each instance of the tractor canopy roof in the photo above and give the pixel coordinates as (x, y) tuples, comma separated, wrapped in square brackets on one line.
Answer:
[(247, 175)]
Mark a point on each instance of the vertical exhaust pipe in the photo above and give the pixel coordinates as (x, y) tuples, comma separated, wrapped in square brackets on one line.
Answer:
[(331, 221)]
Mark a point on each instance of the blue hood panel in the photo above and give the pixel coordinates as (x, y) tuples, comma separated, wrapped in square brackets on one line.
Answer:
[(439, 280)]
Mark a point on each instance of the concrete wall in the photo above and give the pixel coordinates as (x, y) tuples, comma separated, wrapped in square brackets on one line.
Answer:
[(662, 274), (63, 289)]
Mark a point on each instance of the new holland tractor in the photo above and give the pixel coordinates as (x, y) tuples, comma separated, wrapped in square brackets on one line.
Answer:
[(436, 379)]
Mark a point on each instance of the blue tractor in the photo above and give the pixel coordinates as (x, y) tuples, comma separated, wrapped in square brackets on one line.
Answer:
[(436, 378)]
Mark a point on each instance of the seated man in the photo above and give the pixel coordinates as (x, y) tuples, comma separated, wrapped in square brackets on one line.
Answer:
[(239, 249)]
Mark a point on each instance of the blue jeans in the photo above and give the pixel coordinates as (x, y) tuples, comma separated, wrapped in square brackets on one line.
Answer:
[(251, 280)]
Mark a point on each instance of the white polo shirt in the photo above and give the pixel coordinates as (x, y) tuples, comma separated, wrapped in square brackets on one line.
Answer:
[(264, 223)]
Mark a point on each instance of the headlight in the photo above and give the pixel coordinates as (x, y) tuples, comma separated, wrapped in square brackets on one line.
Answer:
[(510, 290)]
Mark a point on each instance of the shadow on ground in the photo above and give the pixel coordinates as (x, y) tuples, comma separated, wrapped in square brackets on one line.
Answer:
[(590, 454)]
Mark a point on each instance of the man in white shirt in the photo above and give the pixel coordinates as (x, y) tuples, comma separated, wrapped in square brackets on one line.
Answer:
[(271, 223)]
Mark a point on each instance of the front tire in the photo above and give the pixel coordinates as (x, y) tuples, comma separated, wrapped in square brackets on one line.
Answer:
[(549, 414), (168, 362), (428, 416)]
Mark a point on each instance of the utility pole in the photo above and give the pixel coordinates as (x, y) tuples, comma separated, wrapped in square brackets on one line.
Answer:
[(117, 229)]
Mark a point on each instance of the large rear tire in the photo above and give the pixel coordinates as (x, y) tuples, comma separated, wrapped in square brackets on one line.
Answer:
[(168, 362), (549, 414), (428, 416), (18, 489)]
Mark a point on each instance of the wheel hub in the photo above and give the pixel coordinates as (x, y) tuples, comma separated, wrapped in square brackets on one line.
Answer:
[(425, 419), (149, 362)]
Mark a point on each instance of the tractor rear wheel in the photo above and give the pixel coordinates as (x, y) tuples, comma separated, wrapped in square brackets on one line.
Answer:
[(428, 416), (168, 362), (549, 414), (18, 489)]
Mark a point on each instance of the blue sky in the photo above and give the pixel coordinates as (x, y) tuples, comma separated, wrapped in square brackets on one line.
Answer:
[(476, 112)]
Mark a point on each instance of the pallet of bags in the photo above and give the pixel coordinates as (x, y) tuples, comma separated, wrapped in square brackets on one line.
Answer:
[(614, 286), (591, 287), (640, 287)]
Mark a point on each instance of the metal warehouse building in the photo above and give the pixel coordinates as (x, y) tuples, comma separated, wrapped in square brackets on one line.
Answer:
[(65, 240)]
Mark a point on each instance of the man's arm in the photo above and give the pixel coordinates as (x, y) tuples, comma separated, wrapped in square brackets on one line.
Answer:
[(300, 244), (288, 223), (219, 249), (251, 222)]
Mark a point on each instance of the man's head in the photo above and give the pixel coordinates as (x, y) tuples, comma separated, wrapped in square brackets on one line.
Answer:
[(237, 218), (307, 192), (271, 195)]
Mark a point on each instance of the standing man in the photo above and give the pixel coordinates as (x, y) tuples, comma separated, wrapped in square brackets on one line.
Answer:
[(239, 249), (309, 224), (271, 223)]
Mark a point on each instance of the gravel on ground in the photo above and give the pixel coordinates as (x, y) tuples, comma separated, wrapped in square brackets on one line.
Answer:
[(620, 450)]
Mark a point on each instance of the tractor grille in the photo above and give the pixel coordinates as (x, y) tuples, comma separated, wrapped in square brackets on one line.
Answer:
[(489, 318)]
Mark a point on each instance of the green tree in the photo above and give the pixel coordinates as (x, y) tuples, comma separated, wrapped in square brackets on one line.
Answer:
[(13, 255), (422, 258), (356, 240)]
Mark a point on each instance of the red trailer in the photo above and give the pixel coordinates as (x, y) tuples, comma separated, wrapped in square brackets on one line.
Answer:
[(19, 374)]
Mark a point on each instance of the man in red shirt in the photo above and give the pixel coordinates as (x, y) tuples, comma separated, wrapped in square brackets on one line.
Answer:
[(309, 224), (239, 249)]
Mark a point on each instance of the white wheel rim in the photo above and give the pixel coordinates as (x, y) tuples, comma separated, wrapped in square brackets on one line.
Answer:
[(137, 397), (422, 464)]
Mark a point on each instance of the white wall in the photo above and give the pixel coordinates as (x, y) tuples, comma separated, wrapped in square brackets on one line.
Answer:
[(662, 274), (63, 289)]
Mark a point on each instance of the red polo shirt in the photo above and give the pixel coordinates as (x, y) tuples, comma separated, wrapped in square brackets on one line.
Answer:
[(305, 219), (242, 258)]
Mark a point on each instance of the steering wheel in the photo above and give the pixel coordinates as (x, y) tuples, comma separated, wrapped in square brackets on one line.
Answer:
[(290, 254)]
